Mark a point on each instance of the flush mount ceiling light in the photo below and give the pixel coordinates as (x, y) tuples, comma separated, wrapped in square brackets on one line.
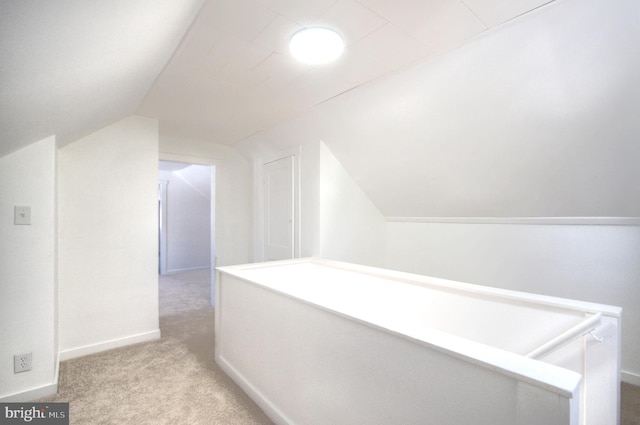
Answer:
[(316, 46)]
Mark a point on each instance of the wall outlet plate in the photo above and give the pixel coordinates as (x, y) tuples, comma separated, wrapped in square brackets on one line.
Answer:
[(22, 215), (22, 362)]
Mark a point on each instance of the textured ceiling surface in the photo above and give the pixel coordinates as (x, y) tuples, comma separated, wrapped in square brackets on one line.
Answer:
[(233, 75), (536, 118), (70, 67), (219, 70)]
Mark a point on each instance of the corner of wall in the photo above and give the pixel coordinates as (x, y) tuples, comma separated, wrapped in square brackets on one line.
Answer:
[(108, 236), (28, 271), (351, 227)]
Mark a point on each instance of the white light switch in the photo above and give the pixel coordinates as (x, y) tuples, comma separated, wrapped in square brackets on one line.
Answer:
[(22, 215)]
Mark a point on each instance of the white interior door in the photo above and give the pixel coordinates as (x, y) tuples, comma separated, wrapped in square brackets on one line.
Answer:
[(279, 209)]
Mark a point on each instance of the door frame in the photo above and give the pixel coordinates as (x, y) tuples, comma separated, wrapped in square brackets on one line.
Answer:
[(162, 226), (211, 163), (259, 213)]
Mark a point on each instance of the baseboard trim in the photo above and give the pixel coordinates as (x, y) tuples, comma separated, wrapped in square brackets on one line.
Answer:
[(73, 353), (172, 271), (32, 394), (37, 393), (275, 414), (630, 378), (566, 221)]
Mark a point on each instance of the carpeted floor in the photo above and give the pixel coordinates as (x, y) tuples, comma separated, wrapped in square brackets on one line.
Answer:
[(175, 380), (630, 405)]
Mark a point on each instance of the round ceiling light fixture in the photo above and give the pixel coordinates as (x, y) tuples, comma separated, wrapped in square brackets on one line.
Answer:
[(316, 46)]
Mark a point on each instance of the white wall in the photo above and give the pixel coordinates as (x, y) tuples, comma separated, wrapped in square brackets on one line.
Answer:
[(188, 220), (28, 271), (233, 222), (108, 238), (351, 227), (597, 263), (536, 118), (292, 137), (337, 219)]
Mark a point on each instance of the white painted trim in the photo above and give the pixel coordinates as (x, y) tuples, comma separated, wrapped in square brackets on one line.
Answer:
[(48, 390), (162, 194), (258, 219), (582, 221), (630, 378), (32, 394), (294, 151), (213, 261), (258, 397), (435, 282), (258, 198), (187, 159), (108, 345), (172, 271)]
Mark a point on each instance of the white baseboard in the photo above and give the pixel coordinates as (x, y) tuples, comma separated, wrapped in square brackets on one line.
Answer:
[(582, 221), (630, 378), (254, 393), (172, 271), (73, 353), (32, 394)]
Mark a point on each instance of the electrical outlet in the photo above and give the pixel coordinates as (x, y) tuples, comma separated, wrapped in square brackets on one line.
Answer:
[(21, 362), (22, 215)]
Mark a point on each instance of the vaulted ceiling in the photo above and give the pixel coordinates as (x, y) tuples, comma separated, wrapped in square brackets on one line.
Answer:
[(70, 67), (233, 75), (219, 70)]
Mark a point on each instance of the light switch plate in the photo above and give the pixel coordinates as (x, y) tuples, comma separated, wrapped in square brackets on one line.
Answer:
[(22, 215)]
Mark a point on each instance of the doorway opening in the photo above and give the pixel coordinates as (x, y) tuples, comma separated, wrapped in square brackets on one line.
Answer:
[(186, 221)]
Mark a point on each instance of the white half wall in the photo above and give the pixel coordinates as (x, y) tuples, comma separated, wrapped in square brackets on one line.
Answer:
[(596, 263), (28, 271), (108, 237)]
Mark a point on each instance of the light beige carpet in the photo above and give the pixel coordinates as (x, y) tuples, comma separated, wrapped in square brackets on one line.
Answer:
[(175, 380), (630, 405)]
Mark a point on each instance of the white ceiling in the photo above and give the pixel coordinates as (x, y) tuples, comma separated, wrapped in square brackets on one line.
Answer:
[(537, 118), (233, 76), (70, 67), (196, 176)]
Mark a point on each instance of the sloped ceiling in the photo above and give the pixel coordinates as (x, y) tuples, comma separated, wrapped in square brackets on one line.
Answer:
[(233, 75), (70, 67), (196, 176), (535, 118)]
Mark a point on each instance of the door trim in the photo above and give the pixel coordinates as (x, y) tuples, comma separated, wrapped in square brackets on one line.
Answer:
[(259, 222)]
